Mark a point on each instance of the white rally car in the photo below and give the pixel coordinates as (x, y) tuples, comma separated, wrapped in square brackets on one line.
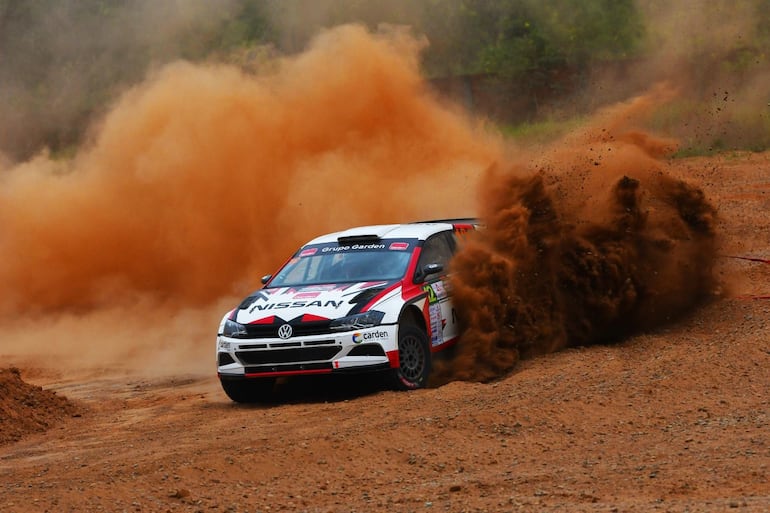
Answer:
[(366, 299)]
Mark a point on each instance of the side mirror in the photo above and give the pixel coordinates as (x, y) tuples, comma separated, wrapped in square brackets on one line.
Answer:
[(427, 270), (266, 278)]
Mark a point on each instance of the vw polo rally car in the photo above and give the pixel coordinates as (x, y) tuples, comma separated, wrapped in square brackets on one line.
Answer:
[(374, 298)]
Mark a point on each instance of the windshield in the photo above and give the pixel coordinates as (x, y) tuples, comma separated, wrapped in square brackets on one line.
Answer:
[(332, 263)]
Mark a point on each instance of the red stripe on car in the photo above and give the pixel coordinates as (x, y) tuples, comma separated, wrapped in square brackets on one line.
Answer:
[(265, 320), (311, 318)]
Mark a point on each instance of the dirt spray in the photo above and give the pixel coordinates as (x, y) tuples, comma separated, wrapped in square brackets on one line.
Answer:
[(590, 243)]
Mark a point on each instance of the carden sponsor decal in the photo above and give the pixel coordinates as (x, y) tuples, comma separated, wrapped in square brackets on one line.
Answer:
[(369, 337)]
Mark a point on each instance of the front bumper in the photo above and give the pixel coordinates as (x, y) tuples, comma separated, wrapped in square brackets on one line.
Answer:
[(361, 350)]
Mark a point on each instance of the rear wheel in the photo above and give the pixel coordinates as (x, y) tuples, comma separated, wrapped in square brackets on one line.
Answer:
[(414, 359), (248, 390)]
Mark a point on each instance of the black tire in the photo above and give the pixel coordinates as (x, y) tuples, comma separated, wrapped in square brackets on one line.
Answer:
[(255, 390), (414, 357)]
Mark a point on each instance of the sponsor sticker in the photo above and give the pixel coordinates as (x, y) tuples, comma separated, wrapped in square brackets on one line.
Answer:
[(438, 288), (308, 252), (372, 336), (354, 247), (306, 295), (436, 325), (398, 246), (297, 304)]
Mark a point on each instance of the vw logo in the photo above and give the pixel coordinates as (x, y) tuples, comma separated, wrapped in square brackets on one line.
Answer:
[(285, 331)]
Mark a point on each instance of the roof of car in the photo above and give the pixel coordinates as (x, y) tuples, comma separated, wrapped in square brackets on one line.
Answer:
[(420, 230)]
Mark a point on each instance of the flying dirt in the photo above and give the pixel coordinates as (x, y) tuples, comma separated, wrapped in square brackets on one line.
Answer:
[(593, 243)]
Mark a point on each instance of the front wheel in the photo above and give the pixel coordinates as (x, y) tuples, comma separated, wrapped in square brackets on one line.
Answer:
[(254, 390), (414, 359)]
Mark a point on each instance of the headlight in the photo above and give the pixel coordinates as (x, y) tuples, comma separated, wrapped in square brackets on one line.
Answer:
[(357, 321), (234, 329)]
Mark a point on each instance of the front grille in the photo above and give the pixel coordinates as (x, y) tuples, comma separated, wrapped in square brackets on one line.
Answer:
[(255, 346), (261, 331), (280, 345), (299, 330), (288, 355)]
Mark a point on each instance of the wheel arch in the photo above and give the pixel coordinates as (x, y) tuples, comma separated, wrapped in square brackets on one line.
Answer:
[(412, 316)]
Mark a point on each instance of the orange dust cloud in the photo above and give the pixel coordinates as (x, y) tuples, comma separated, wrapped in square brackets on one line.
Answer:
[(204, 178), (590, 243)]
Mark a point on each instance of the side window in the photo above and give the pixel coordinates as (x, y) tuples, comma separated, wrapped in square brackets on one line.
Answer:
[(453, 241), (435, 250)]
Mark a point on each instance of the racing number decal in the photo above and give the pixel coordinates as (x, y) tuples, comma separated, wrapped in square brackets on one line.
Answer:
[(436, 291), (431, 294)]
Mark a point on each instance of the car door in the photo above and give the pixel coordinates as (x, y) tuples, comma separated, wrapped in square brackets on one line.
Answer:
[(438, 249)]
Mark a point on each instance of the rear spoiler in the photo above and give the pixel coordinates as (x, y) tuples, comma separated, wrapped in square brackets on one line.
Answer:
[(456, 220), (359, 239)]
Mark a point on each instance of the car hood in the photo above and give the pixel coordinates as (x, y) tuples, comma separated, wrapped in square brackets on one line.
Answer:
[(308, 303)]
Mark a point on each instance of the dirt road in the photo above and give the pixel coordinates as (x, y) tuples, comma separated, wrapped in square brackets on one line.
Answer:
[(677, 419)]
